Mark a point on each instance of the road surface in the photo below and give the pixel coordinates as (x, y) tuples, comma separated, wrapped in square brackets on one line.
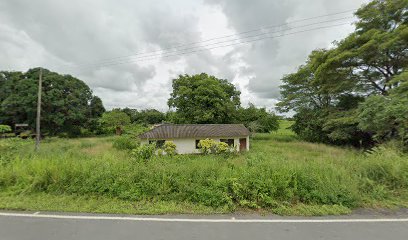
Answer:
[(44, 226)]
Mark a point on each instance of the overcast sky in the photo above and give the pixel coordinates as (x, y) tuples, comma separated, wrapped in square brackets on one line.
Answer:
[(96, 41)]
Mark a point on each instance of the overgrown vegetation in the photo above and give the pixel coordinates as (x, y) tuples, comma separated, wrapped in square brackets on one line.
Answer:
[(356, 93), (272, 177)]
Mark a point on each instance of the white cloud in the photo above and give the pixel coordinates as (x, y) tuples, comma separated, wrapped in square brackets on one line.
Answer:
[(53, 33)]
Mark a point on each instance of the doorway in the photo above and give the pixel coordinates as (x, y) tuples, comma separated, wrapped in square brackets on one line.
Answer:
[(242, 144)]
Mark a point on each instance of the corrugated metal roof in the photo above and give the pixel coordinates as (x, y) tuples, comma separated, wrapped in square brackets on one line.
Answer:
[(166, 131)]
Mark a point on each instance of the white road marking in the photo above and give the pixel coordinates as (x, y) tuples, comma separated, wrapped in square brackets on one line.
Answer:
[(203, 220)]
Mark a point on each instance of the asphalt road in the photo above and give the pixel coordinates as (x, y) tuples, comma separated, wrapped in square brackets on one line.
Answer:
[(44, 226)]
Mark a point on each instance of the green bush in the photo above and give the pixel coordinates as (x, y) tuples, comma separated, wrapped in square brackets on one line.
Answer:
[(144, 151), (210, 146), (4, 129), (125, 143), (170, 148)]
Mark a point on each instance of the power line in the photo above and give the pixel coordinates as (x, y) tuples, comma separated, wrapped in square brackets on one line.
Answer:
[(210, 39), (210, 44), (226, 41), (234, 44)]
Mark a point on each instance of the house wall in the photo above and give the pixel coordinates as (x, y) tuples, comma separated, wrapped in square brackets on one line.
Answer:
[(187, 145)]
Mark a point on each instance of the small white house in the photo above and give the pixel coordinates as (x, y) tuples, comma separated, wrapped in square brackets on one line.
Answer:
[(187, 136)]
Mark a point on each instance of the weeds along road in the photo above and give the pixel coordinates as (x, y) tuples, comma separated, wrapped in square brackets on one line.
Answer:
[(44, 226)]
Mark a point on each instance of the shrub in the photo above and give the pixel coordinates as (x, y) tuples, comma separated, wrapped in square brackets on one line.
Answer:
[(170, 148), (222, 147), (4, 129), (207, 146), (144, 151), (210, 146), (125, 143)]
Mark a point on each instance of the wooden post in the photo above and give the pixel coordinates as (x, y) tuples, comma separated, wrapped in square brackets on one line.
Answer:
[(38, 120)]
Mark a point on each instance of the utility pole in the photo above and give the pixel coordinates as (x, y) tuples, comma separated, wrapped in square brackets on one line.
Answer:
[(38, 132)]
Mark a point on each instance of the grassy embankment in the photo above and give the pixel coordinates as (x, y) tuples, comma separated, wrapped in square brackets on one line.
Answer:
[(279, 175)]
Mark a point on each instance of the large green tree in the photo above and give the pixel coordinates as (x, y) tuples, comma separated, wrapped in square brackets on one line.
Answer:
[(67, 102), (343, 95), (203, 99), (115, 119), (257, 119), (386, 117)]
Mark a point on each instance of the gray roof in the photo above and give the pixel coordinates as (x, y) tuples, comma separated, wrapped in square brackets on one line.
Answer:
[(166, 131)]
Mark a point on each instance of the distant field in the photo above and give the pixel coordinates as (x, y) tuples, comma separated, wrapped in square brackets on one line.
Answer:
[(280, 174)]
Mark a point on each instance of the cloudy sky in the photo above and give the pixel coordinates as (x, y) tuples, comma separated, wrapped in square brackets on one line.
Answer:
[(125, 49)]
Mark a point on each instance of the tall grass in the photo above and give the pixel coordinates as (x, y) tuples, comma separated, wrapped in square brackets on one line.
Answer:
[(279, 171)]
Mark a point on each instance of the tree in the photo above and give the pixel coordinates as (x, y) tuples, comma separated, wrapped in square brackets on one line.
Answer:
[(203, 99), (348, 94), (145, 116), (257, 119), (115, 119), (66, 101), (376, 51), (149, 116), (268, 123), (96, 107), (386, 117)]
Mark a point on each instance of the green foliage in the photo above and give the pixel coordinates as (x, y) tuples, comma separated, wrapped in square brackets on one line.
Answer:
[(93, 126), (272, 177), (210, 146), (149, 116), (357, 90), (222, 147), (144, 151), (207, 146), (203, 99), (170, 148), (125, 142), (115, 119), (134, 130), (268, 123), (145, 116), (310, 130), (67, 102), (10, 147), (387, 116), (5, 129), (257, 119)]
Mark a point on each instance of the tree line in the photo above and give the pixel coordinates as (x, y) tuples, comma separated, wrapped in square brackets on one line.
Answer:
[(355, 93), (199, 99), (69, 107)]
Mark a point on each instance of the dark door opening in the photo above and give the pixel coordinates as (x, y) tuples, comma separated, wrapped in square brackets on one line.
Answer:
[(242, 144)]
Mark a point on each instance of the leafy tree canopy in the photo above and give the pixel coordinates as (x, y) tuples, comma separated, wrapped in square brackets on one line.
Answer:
[(204, 99), (357, 90), (67, 102), (115, 119), (257, 119)]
